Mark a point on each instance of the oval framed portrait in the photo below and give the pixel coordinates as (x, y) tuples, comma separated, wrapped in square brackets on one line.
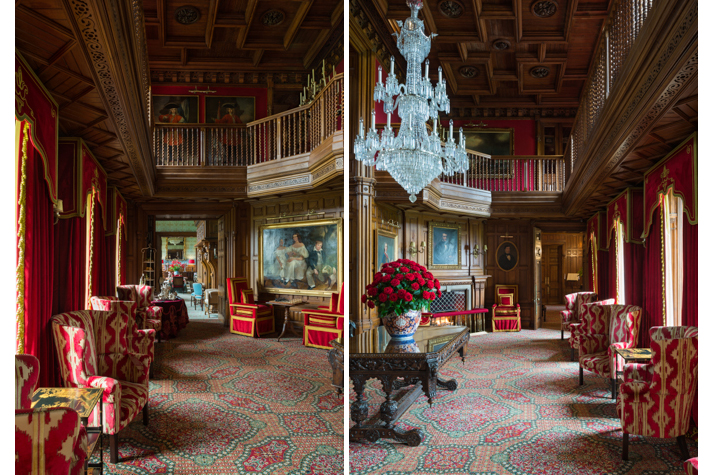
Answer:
[(507, 256)]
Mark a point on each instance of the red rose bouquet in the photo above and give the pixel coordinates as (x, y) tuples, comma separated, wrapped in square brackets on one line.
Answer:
[(176, 266), (401, 286)]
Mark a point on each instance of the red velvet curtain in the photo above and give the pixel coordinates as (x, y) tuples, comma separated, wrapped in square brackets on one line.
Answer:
[(99, 270), (611, 276), (634, 258), (109, 265), (652, 277), (690, 273), (39, 270), (603, 272), (70, 265)]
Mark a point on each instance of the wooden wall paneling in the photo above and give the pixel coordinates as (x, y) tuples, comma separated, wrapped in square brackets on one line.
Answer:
[(572, 257), (520, 233), (222, 265)]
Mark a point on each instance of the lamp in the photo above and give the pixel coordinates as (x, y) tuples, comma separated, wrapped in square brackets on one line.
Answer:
[(414, 157), (413, 247), (477, 251), (191, 261)]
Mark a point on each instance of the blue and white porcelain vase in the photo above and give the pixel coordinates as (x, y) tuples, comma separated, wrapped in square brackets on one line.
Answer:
[(401, 327)]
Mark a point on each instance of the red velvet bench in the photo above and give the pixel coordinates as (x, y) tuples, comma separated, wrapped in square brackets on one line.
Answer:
[(474, 318)]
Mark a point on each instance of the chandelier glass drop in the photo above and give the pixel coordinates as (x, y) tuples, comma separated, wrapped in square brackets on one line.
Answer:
[(414, 158)]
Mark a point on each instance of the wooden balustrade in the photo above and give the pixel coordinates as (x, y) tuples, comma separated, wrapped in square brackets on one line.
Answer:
[(279, 136), (618, 37), (511, 173)]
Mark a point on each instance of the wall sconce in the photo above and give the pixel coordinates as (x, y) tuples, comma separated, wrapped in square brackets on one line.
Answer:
[(477, 250), (58, 210), (413, 248)]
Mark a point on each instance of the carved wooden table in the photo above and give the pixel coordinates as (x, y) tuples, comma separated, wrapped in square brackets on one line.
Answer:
[(335, 357), (373, 356)]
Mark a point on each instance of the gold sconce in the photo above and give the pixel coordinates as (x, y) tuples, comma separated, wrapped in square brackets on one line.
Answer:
[(477, 250), (413, 248)]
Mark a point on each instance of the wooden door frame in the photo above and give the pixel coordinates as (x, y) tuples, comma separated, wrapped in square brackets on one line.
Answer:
[(561, 249)]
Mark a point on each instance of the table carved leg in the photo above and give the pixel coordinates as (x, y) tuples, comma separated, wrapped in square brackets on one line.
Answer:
[(287, 322)]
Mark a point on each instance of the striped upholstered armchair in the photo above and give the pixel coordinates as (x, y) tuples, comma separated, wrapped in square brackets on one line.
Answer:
[(324, 324), (93, 352), (149, 315), (51, 438), (656, 399), (573, 306)]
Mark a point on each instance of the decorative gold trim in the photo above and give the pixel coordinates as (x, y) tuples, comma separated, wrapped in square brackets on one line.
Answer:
[(21, 221), (312, 345), (118, 256), (663, 260), (90, 263), (430, 239), (516, 251)]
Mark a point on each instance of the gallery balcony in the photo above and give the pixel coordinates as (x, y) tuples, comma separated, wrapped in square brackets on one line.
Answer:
[(297, 149)]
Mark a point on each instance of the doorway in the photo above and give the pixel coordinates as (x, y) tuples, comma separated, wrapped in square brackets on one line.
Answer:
[(552, 274)]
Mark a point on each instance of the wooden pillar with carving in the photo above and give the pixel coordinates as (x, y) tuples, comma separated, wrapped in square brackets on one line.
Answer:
[(362, 184)]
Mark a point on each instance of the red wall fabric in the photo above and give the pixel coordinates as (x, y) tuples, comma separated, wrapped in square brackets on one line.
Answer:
[(690, 273), (611, 275), (652, 289), (603, 268), (259, 94), (110, 265), (98, 270), (39, 270)]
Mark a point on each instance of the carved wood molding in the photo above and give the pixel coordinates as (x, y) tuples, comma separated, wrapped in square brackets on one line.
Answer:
[(109, 50), (380, 40), (677, 58)]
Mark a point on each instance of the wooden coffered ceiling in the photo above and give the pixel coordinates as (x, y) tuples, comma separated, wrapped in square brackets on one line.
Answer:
[(501, 53), (45, 37), (240, 35)]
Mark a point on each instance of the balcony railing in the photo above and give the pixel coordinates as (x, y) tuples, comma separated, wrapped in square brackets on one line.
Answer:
[(618, 37), (279, 136), (511, 173)]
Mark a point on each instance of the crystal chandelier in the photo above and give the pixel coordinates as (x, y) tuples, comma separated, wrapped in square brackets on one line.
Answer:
[(414, 158)]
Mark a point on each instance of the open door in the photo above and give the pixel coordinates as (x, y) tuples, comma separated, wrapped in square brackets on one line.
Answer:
[(537, 299)]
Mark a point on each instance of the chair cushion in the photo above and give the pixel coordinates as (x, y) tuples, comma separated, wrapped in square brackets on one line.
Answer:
[(153, 325), (506, 300), (322, 321)]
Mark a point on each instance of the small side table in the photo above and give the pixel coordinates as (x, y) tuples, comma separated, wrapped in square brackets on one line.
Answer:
[(284, 305), (83, 401), (639, 355)]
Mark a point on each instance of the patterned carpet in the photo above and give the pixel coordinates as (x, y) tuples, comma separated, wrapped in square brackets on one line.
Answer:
[(519, 410), (226, 404)]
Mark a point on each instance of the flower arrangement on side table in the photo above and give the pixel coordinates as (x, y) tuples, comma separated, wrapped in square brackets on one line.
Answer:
[(176, 266), (400, 291)]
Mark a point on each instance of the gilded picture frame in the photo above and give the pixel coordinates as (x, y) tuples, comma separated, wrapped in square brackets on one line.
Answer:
[(444, 246), (244, 107), (287, 268), (492, 142), (186, 112), (391, 240)]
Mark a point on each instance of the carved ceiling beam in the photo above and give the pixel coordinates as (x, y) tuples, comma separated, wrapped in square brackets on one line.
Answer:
[(293, 28), (68, 72), (45, 21), (249, 18), (73, 99), (258, 54), (328, 40), (111, 34)]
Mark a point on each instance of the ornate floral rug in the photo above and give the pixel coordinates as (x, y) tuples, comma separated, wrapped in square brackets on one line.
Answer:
[(519, 410), (225, 404)]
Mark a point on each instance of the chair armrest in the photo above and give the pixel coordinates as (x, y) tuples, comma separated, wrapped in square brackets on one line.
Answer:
[(590, 343), (307, 314), (494, 307), (642, 372), (634, 390), (111, 387), (567, 316), (144, 342)]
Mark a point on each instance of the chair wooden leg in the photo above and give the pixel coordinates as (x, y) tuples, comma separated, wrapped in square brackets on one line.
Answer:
[(150, 371), (612, 381), (571, 353), (625, 447), (145, 414), (562, 334), (581, 376), (113, 442), (683, 447)]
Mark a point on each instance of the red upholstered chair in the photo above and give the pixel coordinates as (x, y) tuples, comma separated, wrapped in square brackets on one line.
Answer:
[(321, 326), (149, 315), (573, 306), (139, 340), (604, 328), (659, 403), (691, 466), (575, 327), (48, 441), (93, 353), (506, 310), (247, 317)]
